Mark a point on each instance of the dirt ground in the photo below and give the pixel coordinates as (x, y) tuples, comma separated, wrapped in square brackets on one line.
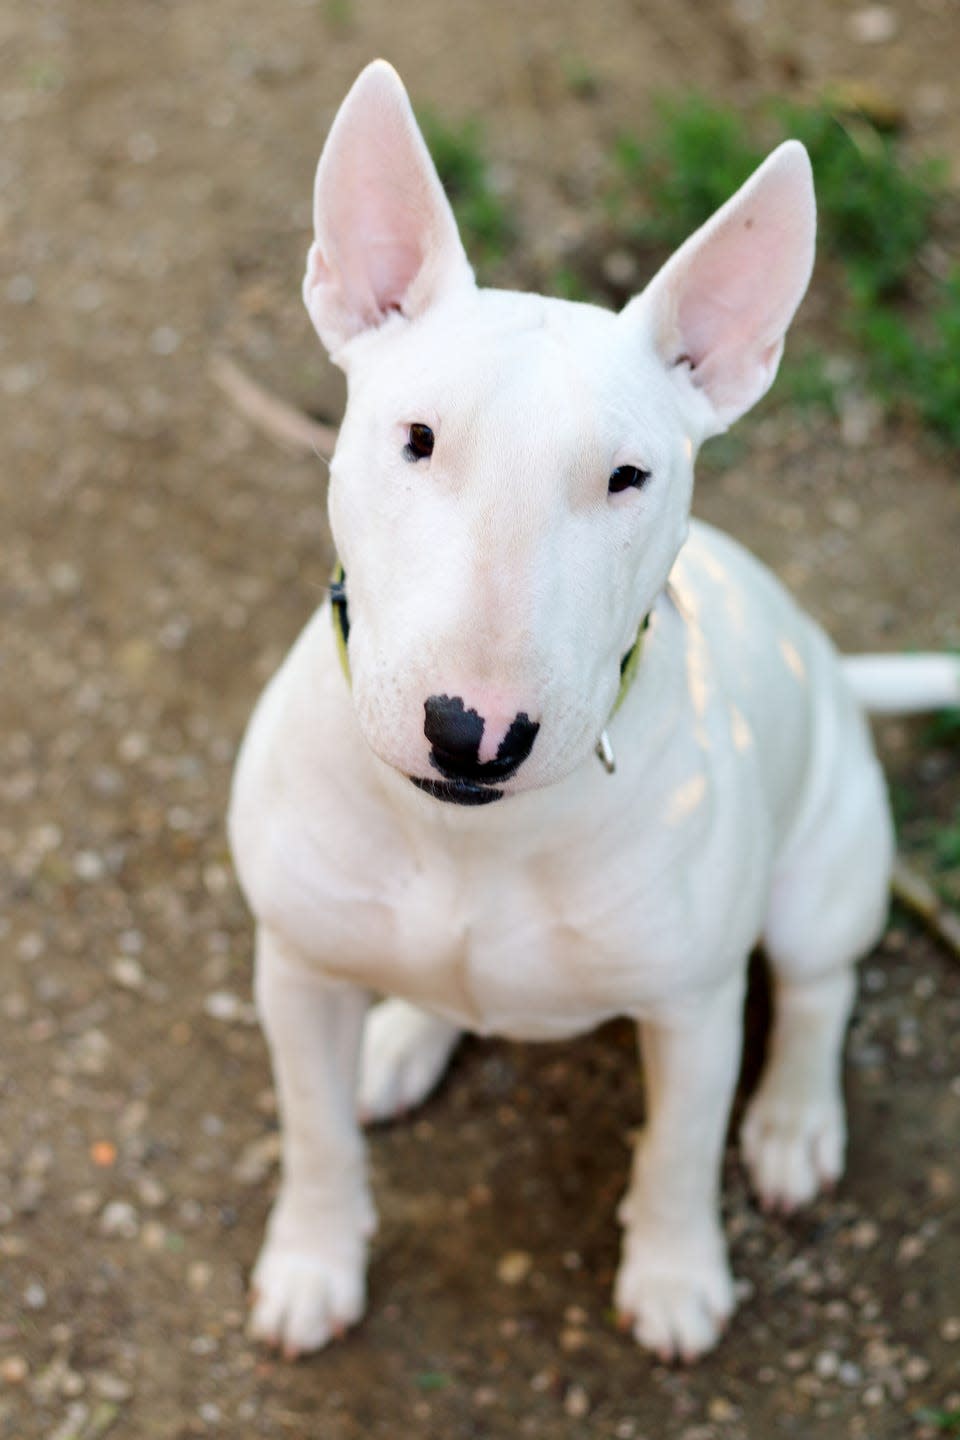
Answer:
[(158, 557)]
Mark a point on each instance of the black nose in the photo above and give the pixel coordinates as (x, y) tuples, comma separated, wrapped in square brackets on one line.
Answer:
[(455, 732)]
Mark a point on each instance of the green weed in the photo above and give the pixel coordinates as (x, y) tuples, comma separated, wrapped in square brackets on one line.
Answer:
[(581, 80), (917, 362), (664, 188), (947, 844), (339, 13), (947, 1421), (458, 153), (805, 382), (876, 212), (874, 207), (569, 284)]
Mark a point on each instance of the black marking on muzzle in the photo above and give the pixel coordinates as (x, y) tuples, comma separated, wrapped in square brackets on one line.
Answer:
[(457, 792), (454, 733)]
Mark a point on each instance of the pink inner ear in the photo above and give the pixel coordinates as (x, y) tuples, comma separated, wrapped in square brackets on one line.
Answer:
[(725, 300), (386, 238), (731, 297), (389, 251)]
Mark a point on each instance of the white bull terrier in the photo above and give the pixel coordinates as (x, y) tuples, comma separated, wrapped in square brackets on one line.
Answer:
[(555, 753)]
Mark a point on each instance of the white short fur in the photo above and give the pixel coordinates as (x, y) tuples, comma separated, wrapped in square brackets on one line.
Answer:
[(746, 803)]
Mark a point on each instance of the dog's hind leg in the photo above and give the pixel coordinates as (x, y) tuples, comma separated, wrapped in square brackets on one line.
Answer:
[(828, 908), (405, 1052)]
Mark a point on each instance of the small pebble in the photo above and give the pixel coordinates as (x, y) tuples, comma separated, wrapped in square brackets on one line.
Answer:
[(88, 865), (199, 1275), (119, 1220), (21, 289), (13, 1370), (110, 1387), (164, 340), (721, 1410), (151, 1193), (128, 973), (873, 24), (576, 1402), (917, 1368), (153, 1236), (225, 1006), (911, 1247), (864, 1235), (514, 1267), (258, 1159), (72, 1384), (573, 1339)]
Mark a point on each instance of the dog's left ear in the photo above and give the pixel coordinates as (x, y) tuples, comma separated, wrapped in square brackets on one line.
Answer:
[(385, 236), (720, 307)]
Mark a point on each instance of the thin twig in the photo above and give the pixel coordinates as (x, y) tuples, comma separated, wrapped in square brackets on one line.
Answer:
[(282, 421), (920, 898)]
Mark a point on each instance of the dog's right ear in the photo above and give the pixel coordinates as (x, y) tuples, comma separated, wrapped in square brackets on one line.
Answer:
[(385, 239)]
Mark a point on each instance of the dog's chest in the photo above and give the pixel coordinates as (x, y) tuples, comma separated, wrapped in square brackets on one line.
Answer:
[(535, 945)]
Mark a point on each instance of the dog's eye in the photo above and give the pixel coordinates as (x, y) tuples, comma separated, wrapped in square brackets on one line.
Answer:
[(419, 443), (627, 477)]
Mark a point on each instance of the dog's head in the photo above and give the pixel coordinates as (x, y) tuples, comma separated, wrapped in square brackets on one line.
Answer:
[(513, 476)]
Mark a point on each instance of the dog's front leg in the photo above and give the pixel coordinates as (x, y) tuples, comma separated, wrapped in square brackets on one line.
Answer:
[(309, 1282), (674, 1286)]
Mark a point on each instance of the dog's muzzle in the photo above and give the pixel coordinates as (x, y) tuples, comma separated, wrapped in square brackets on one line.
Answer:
[(454, 733)]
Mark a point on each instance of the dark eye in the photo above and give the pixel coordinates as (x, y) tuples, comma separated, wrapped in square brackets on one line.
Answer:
[(627, 477), (419, 443)]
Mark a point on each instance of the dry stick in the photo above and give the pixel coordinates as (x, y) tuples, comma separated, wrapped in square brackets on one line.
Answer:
[(283, 422), (919, 897)]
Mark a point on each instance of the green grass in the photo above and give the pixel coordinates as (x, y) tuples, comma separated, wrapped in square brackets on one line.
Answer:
[(805, 382), (459, 154), (946, 1421), (582, 80), (947, 844), (875, 206), (664, 188), (945, 726), (877, 210), (919, 360)]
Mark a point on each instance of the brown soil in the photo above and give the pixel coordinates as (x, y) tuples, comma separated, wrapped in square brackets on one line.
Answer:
[(158, 558)]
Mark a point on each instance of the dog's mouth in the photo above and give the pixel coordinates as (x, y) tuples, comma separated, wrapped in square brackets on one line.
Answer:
[(458, 792)]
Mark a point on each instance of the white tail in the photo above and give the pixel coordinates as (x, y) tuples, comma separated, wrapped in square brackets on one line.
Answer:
[(904, 684)]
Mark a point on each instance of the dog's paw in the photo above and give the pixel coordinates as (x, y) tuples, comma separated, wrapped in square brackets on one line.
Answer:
[(676, 1306), (301, 1299), (405, 1052), (792, 1150)]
